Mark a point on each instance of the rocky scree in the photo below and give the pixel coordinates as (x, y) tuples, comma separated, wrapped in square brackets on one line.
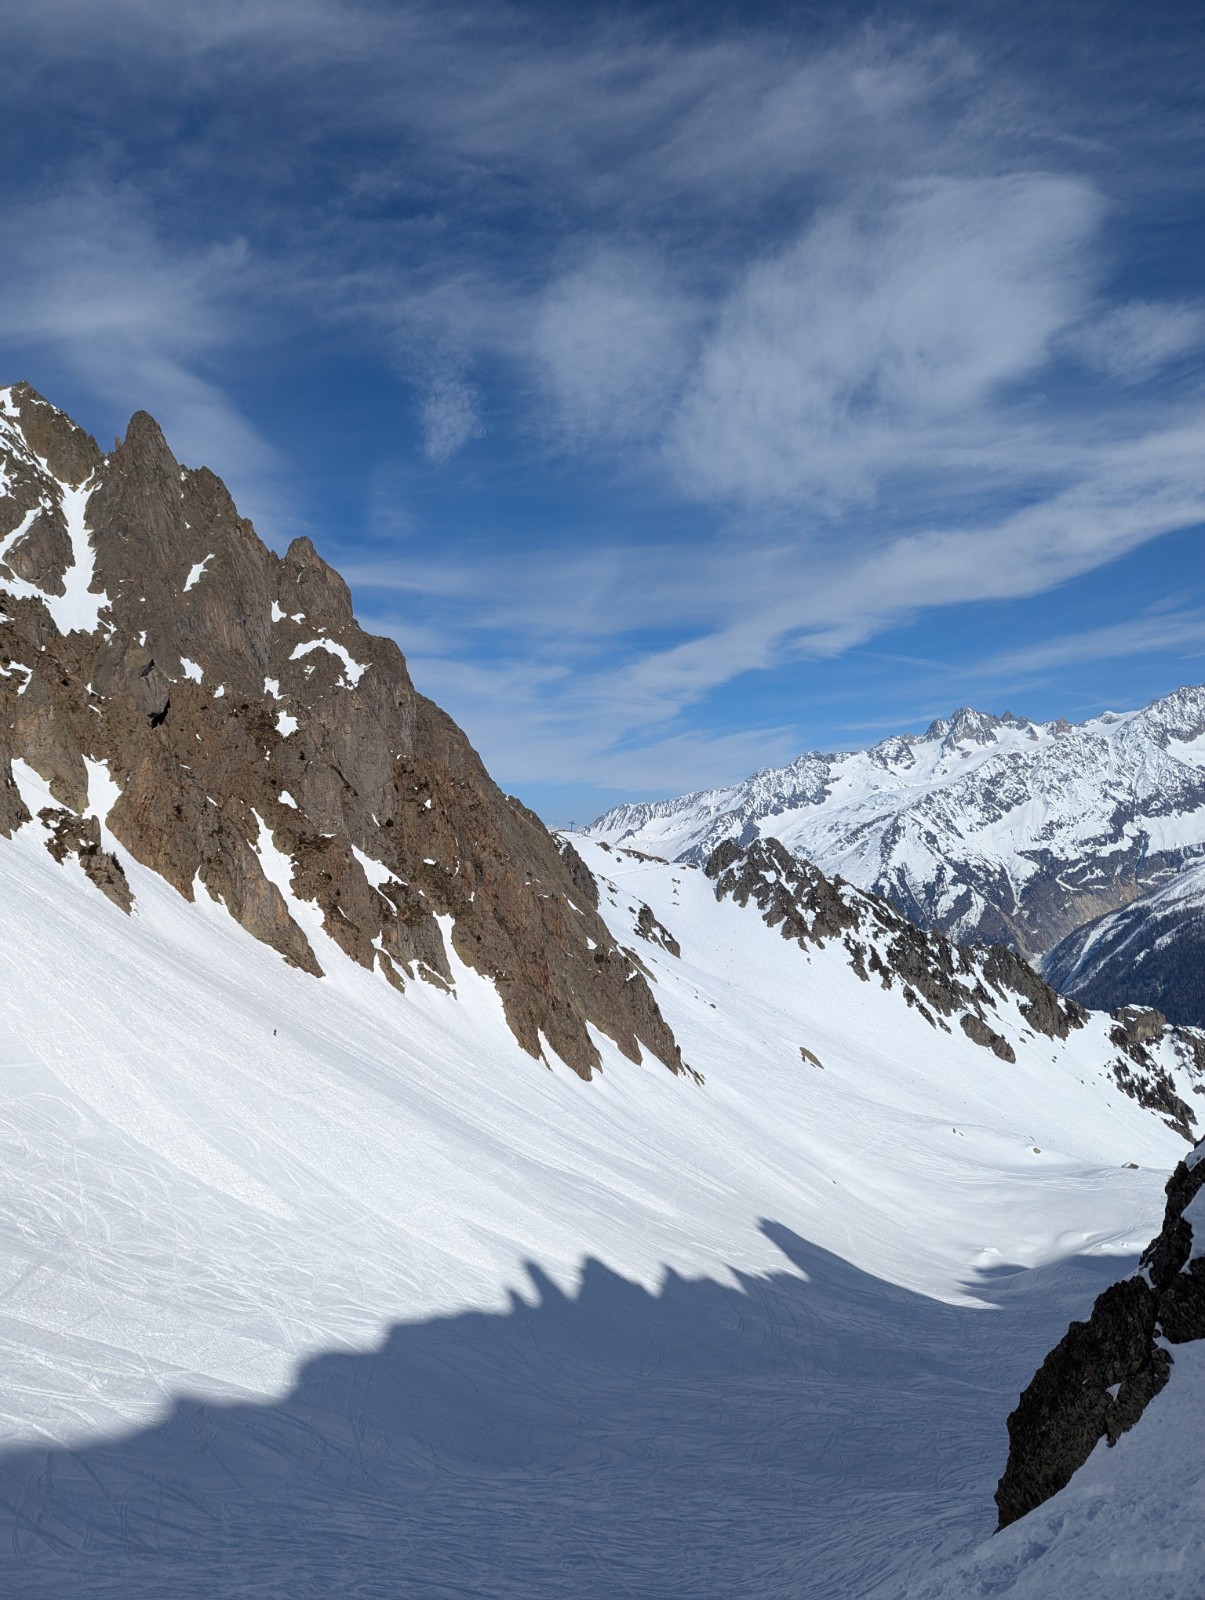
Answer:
[(266, 750)]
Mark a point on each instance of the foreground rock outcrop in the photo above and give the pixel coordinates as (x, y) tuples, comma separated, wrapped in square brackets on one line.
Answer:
[(220, 711), (1096, 1383)]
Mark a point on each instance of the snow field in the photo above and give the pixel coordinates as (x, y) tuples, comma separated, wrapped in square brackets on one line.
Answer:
[(777, 1320)]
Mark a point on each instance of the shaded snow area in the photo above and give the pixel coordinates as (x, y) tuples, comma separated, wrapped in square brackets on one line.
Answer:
[(1129, 1523), (376, 1305)]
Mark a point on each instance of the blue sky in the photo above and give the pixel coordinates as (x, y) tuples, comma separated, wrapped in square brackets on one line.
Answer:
[(682, 386)]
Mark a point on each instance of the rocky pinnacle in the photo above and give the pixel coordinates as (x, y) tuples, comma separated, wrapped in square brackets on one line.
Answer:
[(254, 744)]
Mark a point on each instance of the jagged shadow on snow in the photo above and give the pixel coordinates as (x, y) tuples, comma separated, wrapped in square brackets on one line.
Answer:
[(814, 1432)]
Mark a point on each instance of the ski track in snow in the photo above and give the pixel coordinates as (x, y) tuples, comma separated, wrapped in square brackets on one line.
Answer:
[(379, 1306)]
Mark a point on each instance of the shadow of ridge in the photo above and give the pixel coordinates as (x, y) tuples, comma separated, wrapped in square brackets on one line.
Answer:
[(805, 1432)]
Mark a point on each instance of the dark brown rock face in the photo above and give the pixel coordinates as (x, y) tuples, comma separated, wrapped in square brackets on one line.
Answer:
[(1096, 1383), (648, 927), (253, 729)]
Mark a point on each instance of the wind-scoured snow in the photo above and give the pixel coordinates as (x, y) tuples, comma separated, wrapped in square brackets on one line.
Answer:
[(635, 1337)]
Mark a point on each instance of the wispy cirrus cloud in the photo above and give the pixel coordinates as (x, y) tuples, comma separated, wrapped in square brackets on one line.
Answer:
[(1178, 630), (744, 612), (839, 325), (884, 337), (90, 283), (1134, 341)]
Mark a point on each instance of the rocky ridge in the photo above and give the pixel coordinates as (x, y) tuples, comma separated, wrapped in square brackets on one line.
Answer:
[(1097, 1382), (992, 829), (951, 984), (216, 712)]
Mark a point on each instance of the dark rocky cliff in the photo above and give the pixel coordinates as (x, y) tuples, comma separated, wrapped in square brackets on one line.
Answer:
[(1096, 1383), (241, 711)]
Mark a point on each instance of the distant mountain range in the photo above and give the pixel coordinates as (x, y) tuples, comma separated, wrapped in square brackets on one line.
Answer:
[(1151, 952), (991, 828)]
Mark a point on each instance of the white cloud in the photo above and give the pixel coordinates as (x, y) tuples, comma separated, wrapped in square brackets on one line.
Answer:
[(92, 289), (563, 689), (878, 341), (450, 417), (1135, 341), (610, 342), (1144, 635)]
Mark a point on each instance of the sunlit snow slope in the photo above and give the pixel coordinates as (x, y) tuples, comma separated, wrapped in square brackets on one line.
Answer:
[(635, 1337)]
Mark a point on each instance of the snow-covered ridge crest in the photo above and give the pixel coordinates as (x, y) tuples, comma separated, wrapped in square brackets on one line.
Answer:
[(988, 827)]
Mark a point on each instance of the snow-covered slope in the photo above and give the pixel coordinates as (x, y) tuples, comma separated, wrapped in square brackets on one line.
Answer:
[(1151, 953), (1127, 1526), (987, 827), (752, 1335), (1107, 1437), (397, 1203)]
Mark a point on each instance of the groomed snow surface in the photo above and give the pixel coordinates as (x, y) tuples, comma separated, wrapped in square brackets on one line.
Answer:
[(315, 1290)]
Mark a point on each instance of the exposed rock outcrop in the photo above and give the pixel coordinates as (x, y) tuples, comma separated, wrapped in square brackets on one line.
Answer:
[(1136, 1032), (648, 927), (1096, 1383), (940, 978), (261, 746)]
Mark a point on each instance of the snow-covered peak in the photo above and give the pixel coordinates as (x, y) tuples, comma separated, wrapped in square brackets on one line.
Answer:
[(985, 826)]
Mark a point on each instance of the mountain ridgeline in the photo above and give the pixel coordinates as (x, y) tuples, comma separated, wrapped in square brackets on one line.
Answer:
[(220, 711), (995, 829), (957, 985)]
